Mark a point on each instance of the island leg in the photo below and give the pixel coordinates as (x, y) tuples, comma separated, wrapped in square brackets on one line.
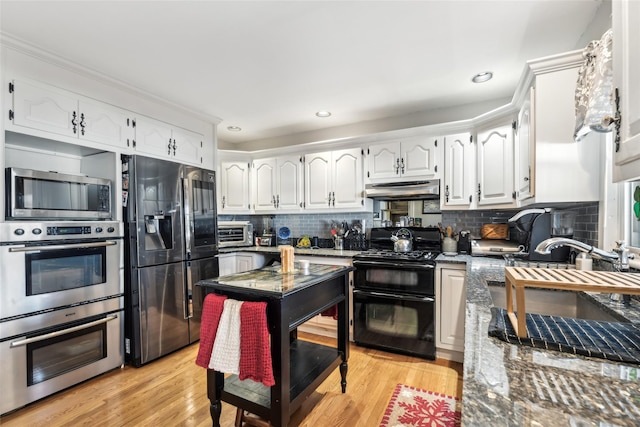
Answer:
[(344, 367), (215, 384)]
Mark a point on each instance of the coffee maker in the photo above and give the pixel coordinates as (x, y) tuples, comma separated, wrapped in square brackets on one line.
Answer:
[(532, 226)]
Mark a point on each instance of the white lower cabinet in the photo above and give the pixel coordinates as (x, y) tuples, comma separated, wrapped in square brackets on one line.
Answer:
[(450, 310), (326, 325), (238, 262)]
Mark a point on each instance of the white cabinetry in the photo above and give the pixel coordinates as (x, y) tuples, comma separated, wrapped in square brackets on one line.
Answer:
[(459, 171), (40, 107), (166, 141), (333, 180), (410, 159), (234, 187), (523, 150), (450, 310), (626, 66), (551, 167), (238, 262), (495, 165), (226, 264), (277, 184)]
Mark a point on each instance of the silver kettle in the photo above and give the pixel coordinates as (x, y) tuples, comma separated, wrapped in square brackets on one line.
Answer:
[(402, 240)]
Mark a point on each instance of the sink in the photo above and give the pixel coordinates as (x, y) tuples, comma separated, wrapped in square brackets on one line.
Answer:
[(555, 303)]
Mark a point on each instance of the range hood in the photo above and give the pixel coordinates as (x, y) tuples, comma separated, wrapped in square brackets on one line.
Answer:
[(411, 190)]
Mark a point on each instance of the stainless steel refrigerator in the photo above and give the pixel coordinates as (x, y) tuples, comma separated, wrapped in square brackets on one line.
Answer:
[(171, 236)]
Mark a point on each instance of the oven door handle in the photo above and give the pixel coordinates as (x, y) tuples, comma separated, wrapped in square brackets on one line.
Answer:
[(382, 264), (58, 247), (62, 332), (403, 297)]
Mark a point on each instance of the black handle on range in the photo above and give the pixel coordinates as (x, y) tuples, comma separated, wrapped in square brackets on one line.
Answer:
[(403, 297), (403, 265)]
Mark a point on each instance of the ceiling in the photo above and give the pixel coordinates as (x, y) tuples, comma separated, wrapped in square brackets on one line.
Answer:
[(269, 66)]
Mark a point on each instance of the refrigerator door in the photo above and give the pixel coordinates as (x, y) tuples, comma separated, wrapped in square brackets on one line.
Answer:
[(201, 237), (196, 270), (163, 327), (157, 212)]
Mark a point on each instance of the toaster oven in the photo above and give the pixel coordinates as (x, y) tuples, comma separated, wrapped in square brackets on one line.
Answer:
[(235, 233)]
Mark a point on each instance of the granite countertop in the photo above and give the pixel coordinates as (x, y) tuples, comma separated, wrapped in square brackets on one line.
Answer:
[(324, 252), (513, 385), (271, 280)]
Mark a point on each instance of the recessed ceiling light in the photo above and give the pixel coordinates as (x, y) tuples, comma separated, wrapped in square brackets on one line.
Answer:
[(482, 77), (323, 113), (234, 128)]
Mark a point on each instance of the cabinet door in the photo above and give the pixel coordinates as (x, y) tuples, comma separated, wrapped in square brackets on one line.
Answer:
[(41, 107), (523, 151), (188, 146), (458, 170), (626, 66), (347, 179), (317, 181), (244, 262), (227, 264), (154, 137), (264, 185), (452, 308), (289, 183), (383, 161), (420, 157), (495, 166), (234, 187), (105, 124)]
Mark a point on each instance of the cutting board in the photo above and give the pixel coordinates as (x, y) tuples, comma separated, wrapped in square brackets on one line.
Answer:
[(571, 280)]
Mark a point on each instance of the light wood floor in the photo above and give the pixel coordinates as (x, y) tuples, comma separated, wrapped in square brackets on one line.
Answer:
[(172, 392)]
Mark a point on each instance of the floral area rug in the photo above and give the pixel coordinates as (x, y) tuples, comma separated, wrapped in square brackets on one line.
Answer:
[(410, 406)]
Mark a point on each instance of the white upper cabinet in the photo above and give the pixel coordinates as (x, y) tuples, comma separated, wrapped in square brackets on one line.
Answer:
[(459, 171), (234, 194), (626, 67), (410, 159), (40, 107), (333, 180), (163, 140), (495, 165), (277, 184), (550, 166), (522, 151)]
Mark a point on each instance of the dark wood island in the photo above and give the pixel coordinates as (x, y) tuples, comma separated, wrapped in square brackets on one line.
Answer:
[(299, 367)]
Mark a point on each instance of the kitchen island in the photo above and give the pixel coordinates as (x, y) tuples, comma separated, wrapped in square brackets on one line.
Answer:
[(298, 366), (515, 385)]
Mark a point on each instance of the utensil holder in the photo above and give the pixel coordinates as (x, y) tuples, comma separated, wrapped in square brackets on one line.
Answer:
[(449, 245)]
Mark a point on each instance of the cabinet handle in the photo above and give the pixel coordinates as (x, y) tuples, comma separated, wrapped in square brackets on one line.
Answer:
[(402, 165), (446, 192), (397, 165), (174, 147), (273, 200), (223, 201), (74, 122), (169, 147), (277, 201), (329, 198), (479, 191), (82, 124), (333, 193), (617, 120)]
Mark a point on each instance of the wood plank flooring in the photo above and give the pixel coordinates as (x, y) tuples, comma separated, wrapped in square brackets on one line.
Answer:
[(172, 392)]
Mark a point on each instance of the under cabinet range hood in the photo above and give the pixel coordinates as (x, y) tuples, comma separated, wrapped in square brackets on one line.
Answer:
[(410, 190)]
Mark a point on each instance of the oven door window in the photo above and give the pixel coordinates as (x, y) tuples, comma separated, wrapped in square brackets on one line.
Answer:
[(391, 319), (64, 269), (55, 356)]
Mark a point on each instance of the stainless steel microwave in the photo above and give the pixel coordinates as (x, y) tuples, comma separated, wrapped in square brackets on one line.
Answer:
[(33, 194), (235, 233)]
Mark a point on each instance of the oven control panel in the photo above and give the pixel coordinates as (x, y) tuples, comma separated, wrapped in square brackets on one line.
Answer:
[(20, 232)]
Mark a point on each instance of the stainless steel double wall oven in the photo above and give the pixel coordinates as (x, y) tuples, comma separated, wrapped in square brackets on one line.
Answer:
[(61, 306), (394, 293)]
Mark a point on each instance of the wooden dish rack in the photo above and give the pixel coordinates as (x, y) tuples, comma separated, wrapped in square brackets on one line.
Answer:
[(571, 280)]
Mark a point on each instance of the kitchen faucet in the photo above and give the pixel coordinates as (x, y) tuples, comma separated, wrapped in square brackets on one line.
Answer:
[(619, 257)]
